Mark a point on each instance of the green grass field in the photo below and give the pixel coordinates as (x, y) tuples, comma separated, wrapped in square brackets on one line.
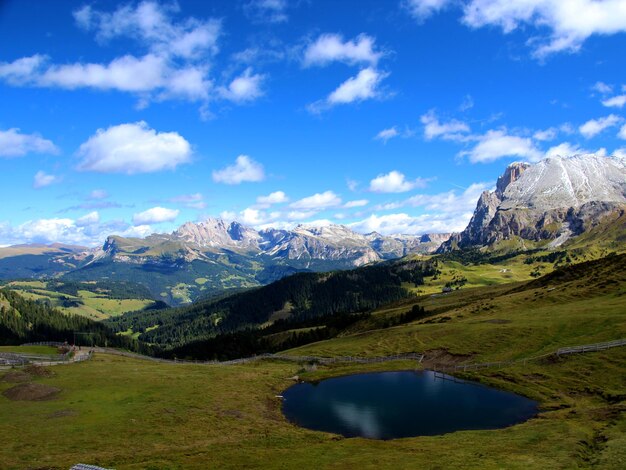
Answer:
[(129, 414), (88, 304)]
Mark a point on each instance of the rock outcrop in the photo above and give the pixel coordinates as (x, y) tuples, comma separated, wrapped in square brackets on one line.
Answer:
[(554, 199)]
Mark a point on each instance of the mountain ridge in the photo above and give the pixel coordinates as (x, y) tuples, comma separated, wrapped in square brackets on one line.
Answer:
[(548, 202)]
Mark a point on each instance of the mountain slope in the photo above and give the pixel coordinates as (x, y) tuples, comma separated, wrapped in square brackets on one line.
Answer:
[(546, 203)]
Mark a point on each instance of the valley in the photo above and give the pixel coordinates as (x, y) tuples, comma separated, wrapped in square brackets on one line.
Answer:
[(508, 301)]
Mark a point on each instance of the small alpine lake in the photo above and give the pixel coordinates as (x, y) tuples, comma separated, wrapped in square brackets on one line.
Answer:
[(390, 405)]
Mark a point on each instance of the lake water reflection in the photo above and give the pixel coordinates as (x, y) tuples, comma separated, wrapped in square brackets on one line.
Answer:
[(389, 405)]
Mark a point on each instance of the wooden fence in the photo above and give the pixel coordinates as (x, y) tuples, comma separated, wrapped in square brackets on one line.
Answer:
[(559, 352), (12, 359)]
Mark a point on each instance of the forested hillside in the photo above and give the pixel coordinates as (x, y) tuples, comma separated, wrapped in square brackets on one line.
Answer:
[(23, 321), (297, 298)]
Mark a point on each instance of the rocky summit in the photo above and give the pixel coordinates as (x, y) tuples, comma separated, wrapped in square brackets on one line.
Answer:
[(305, 244), (552, 201)]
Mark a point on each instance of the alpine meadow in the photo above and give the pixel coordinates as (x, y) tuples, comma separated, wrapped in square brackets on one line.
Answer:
[(285, 234)]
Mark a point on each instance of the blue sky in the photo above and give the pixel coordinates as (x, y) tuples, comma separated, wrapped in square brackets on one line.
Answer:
[(134, 117)]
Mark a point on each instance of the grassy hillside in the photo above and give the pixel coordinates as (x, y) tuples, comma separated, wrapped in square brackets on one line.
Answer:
[(96, 300), (130, 414)]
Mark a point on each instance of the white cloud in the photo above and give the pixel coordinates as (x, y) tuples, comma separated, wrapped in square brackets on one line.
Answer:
[(594, 126), (602, 88), (356, 203), (359, 88), (621, 153), (394, 182), (155, 215), (451, 130), (193, 201), (267, 11), (402, 223), (363, 86), (246, 87), (565, 149), (244, 170), (450, 201), (546, 134), (21, 70), (88, 219), (277, 197), (423, 9), (496, 144), (42, 179), (447, 212), (15, 144), (615, 102), (330, 48), (133, 148), (387, 134), (153, 24), (85, 231), (142, 76), (570, 23), (318, 201), (175, 64), (622, 132)]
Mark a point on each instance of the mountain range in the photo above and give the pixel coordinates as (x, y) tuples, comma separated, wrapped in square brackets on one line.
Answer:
[(540, 205), (209, 257)]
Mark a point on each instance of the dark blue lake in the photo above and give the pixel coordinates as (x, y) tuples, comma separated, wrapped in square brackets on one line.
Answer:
[(388, 405)]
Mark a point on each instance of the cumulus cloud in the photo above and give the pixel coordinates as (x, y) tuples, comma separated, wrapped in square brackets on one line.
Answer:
[(42, 179), (546, 134), (593, 127), (330, 48), (387, 134), (602, 88), (88, 219), (565, 149), (267, 11), (617, 101), (244, 170), (363, 86), (356, 203), (568, 23), (140, 75), (155, 215), (14, 143), (153, 24), (133, 148), (423, 9), (175, 63), (394, 182), (497, 144), (451, 130), (622, 132), (449, 211), (318, 201), (246, 87), (277, 197)]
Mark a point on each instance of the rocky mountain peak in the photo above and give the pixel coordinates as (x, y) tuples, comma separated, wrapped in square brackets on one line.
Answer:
[(510, 175), (553, 199)]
